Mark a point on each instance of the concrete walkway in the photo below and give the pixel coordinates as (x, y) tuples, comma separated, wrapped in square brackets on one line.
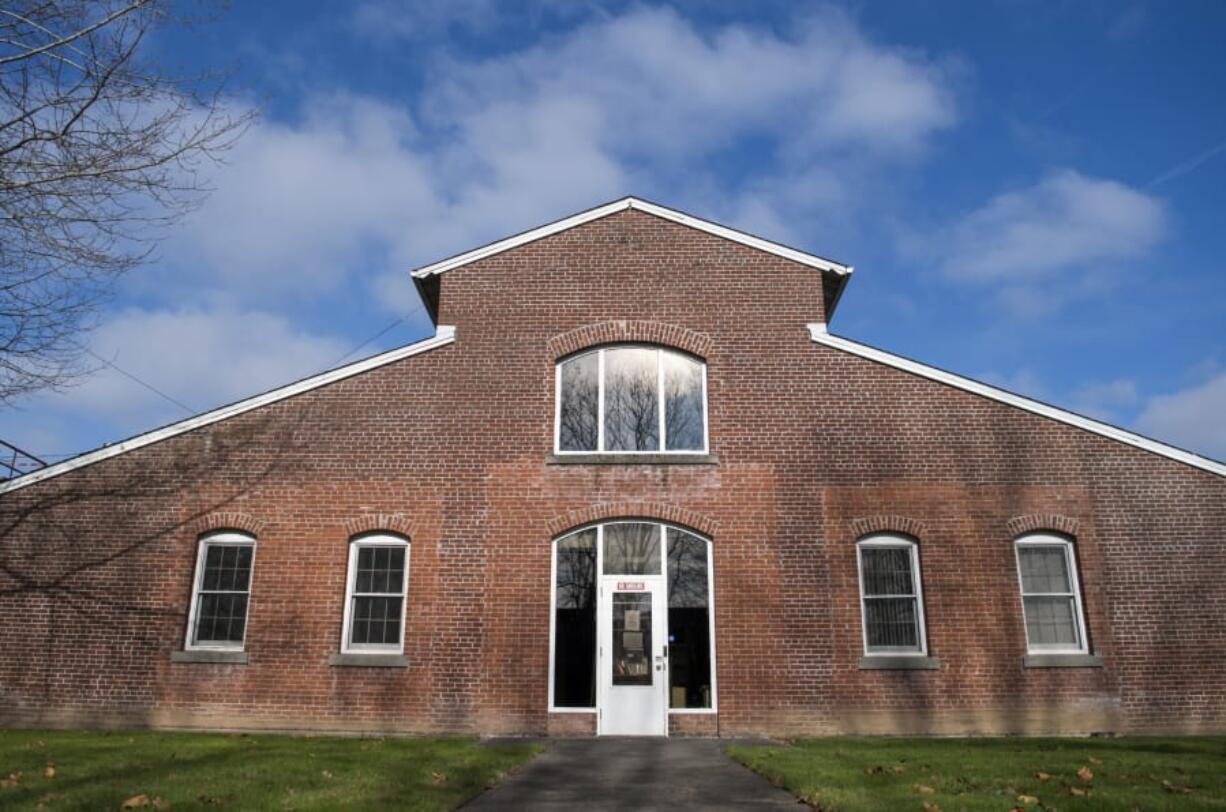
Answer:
[(616, 773)]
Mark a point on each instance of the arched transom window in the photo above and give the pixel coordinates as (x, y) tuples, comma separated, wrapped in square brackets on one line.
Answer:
[(631, 399)]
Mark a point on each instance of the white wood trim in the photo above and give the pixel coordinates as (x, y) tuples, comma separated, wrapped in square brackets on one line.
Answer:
[(819, 335), (224, 538), (374, 540), (894, 540), (443, 336), (1070, 561), (812, 260)]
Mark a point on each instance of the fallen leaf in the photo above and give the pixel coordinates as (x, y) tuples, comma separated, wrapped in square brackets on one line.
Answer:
[(1084, 775), (1042, 776), (13, 780), (1027, 800), (326, 774), (135, 802), (438, 778), (1095, 760), (929, 806), (898, 769), (1175, 788), (1077, 791), (873, 770), (49, 771), (923, 789), (161, 803)]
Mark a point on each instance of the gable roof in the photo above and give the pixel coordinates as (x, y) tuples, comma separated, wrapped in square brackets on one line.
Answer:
[(818, 333), (443, 335), (744, 238)]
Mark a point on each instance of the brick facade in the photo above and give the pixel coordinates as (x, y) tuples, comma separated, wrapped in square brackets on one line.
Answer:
[(451, 448)]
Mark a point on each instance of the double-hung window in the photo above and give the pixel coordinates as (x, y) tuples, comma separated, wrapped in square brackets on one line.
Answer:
[(376, 588), (891, 597), (631, 399), (218, 617), (1051, 597)]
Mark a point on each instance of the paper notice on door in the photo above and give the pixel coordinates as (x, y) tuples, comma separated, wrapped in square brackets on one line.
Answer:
[(632, 641), (633, 620)]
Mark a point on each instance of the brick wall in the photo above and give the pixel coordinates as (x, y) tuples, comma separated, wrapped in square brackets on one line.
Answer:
[(814, 448)]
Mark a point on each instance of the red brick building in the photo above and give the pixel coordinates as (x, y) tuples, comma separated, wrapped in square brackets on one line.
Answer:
[(632, 485)]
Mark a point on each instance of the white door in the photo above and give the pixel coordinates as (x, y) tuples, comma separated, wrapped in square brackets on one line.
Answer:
[(632, 668)]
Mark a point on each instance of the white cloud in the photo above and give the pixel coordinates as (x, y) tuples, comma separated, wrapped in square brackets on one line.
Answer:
[(1194, 418), (1023, 382), (639, 103), (201, 357), (1066, 221), (1104, 400)]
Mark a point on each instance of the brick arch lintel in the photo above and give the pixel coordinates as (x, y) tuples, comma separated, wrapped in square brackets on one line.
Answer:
[(614, 332), (887, 523), (658, 511), (1033, 522), (374, 522), (226, 520)]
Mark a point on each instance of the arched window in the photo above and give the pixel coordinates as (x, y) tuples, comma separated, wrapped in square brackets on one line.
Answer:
[(891, 595), (1051, 595), (600, 557), (375, 592), (631, 399), (220, 592)]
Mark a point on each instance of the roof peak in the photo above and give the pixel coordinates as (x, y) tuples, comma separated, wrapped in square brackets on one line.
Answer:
[(639, 204)]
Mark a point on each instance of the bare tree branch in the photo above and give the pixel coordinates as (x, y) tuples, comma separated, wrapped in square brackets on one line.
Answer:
[(100, 152)]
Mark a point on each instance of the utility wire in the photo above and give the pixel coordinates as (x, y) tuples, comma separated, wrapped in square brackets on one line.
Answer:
[(137, 380)]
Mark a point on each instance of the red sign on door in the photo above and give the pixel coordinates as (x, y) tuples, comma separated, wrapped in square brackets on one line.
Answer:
[(631, 586)]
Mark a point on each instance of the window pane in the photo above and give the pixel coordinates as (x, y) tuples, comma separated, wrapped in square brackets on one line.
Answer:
[(1044, 569), (689, 629), (577, 419), (891, 623), (632, 638), (1049, 622), (227, 567), (376, 621), (631, 400), (683, 406), (220, 618), (379, 569), (886, 570), (574, 668), (631, 549)]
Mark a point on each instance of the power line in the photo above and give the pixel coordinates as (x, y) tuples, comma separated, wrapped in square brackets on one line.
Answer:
[(380, 334), (137, 380)]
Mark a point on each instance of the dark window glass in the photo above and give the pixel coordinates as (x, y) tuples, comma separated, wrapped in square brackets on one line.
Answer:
[(683, 403), (378, 596), (574, 662), (689, 629), (891, 606), (221, 604), (631, 548), (631, 400), (578, 418)]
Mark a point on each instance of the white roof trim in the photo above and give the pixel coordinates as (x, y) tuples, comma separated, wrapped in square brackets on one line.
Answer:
[(642, 205), (443, 335), (819, 335)]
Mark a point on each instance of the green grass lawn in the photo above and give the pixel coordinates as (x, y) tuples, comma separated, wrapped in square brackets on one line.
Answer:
[(44, 769), (997, 774)]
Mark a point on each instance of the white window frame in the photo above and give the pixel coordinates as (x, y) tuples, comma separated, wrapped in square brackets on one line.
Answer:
[(221, 538), (553, 597), (600, 415), (887, 540), (355, 544), (1070, 561)]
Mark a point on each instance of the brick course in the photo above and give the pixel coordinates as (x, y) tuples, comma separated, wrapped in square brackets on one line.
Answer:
[(815, 448)]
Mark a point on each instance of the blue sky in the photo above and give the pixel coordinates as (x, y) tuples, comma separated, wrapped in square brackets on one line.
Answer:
[(1032, 193)]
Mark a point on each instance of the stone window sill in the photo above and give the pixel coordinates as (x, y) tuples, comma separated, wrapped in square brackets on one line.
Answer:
[(206, 656), (902, 662), (369, 660), (632, 459), (1062, 661)]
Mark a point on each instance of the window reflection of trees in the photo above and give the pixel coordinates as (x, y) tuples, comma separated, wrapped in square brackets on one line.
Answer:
[(631, 548), (576, 575), (631, 401), (683, 406), (578, 417)]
